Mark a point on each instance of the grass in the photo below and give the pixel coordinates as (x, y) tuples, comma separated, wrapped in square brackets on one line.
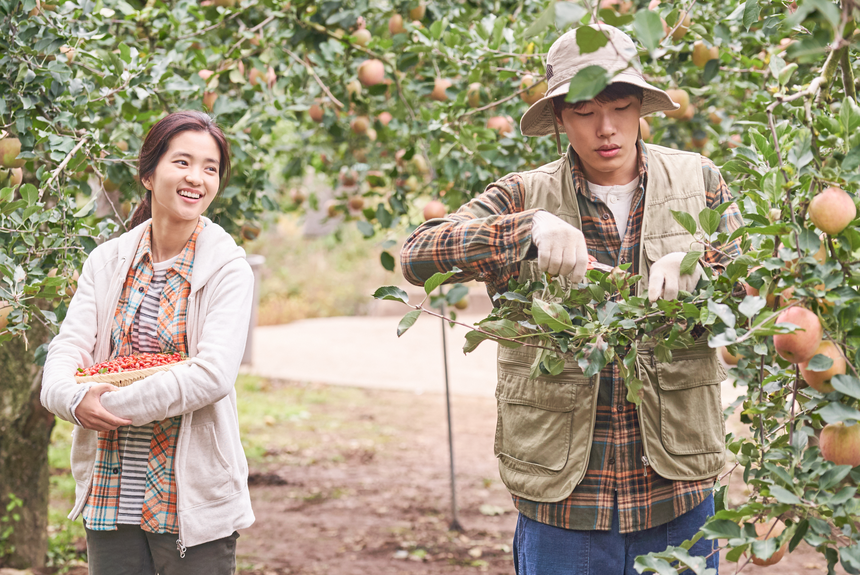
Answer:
[(63, 534), (317, 277), (277, 421)]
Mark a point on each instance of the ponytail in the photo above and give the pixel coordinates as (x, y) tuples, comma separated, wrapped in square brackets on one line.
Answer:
[(143, 211)]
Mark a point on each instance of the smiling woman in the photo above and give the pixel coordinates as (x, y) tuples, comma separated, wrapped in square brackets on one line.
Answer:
[(161, 476)]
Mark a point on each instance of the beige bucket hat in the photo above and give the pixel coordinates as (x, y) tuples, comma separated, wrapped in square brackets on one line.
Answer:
[(564, 60)]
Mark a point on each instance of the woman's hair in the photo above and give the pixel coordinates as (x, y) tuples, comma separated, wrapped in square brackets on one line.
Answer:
[(158, 140), (611, 93)]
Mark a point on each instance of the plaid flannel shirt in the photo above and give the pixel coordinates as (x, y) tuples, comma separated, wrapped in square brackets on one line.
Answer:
[(159, 507), (488, 238)]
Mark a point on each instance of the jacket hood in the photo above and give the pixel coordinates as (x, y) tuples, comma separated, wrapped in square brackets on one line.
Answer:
[(215, 249)]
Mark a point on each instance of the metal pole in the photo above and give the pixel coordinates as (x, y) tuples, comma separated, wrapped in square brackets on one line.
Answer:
[(455, 523)]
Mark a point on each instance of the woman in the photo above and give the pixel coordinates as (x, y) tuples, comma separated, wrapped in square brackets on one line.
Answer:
[(161, 477)]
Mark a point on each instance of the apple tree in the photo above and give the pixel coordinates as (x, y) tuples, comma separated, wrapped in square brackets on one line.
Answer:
[(767, 90), (406, 104)]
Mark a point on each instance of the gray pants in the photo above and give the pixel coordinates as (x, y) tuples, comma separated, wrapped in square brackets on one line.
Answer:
[(132, 551)]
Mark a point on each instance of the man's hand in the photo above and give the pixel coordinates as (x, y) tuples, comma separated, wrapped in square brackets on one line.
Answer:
[(561, 247), (666, 279), (92, 415)]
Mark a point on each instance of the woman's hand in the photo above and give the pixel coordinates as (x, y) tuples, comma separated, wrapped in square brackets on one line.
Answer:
[(92, 415)]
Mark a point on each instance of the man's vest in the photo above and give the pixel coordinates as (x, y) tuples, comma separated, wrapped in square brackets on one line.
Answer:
[(545, 426)]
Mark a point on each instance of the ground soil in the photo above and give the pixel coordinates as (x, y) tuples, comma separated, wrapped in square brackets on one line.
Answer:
[(375, 498), (357, 482)]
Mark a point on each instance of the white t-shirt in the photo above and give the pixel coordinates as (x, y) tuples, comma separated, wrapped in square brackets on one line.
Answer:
[(619, 200)]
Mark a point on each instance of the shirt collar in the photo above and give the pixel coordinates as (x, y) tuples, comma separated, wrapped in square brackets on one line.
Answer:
[(580, 184), (183, 263)]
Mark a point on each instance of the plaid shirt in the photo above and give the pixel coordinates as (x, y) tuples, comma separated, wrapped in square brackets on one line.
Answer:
[(159, 506), (488, 238)]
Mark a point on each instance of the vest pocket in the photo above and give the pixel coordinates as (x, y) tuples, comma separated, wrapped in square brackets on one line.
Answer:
[(535, 418), (691, 414)]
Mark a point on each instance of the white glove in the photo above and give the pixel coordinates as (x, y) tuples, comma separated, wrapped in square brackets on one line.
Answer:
[(561, 247), (666, 278)]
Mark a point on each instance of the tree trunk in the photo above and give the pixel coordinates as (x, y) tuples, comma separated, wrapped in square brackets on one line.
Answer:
[(25, 432)]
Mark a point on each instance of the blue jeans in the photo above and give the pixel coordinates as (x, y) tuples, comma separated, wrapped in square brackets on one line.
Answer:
[(541, 549)]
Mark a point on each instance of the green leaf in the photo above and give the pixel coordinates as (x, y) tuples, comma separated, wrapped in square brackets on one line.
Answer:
[(456, 293), (387, 261), (30, 193), (847, 384), (438, 279), (712, 67), (648, 28), (835, 412), (851, 161), (820, 362), (721, 529), (391, 293), (473, 340), (654, 564), (688, 264), (723, 312), (764, 549), (567, 13), (407, 321), (544, 21), (751, 12), (784, 495), (366, 228), (786, 73), (587, 84), (590, 39), (551, 315), (831, 477), (686, 220), (751, 305), (709, 220)]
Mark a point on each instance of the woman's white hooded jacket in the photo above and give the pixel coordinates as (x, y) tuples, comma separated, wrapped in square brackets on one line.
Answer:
[(210, 465)]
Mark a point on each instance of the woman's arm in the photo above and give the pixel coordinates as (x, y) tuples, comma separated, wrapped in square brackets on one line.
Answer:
[(72, 348), (211, 373)]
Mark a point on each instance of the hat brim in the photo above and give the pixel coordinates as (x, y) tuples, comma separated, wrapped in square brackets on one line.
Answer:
[(538, 119)]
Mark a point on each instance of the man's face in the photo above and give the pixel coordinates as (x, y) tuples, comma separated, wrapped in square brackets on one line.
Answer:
[(604, 137)]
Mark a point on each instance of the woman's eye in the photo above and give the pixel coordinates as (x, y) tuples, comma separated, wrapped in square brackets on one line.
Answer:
[(183, 162)]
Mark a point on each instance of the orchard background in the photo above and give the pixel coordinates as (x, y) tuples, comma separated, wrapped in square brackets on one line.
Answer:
[(401, 103)]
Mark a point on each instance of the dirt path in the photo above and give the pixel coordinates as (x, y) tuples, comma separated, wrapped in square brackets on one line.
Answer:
[(357, 483)]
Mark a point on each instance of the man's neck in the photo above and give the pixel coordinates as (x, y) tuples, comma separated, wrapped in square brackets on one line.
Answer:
[(619, 177)]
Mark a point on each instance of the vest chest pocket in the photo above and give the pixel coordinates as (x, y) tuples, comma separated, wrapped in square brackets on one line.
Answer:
[(535, 418), (691, 414)]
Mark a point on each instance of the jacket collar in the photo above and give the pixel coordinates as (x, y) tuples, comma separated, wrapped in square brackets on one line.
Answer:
[(184, 262)]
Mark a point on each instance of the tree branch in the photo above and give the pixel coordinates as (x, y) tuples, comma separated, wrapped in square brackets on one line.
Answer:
[(62, 166), (307, 64)]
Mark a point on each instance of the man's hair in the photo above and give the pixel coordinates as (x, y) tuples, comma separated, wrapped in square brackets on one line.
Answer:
[(611, 93)]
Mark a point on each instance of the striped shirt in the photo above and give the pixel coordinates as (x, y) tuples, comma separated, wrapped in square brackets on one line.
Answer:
[(135, 440), (487, 239), (158, 515)]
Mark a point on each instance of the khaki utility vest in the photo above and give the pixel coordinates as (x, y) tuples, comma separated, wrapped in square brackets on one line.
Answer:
[(545, 426)]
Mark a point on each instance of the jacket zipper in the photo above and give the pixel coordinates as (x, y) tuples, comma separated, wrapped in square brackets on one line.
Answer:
[(645, 463), (190, 316)]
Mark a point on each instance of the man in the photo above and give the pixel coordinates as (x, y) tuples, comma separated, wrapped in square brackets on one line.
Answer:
[(596, 481)]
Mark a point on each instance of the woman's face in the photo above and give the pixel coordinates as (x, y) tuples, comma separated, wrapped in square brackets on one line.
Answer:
[(187, 177)]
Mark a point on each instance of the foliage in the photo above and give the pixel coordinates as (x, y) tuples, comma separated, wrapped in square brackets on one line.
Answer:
[(776, 111), (7, 524), (777, 88)]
